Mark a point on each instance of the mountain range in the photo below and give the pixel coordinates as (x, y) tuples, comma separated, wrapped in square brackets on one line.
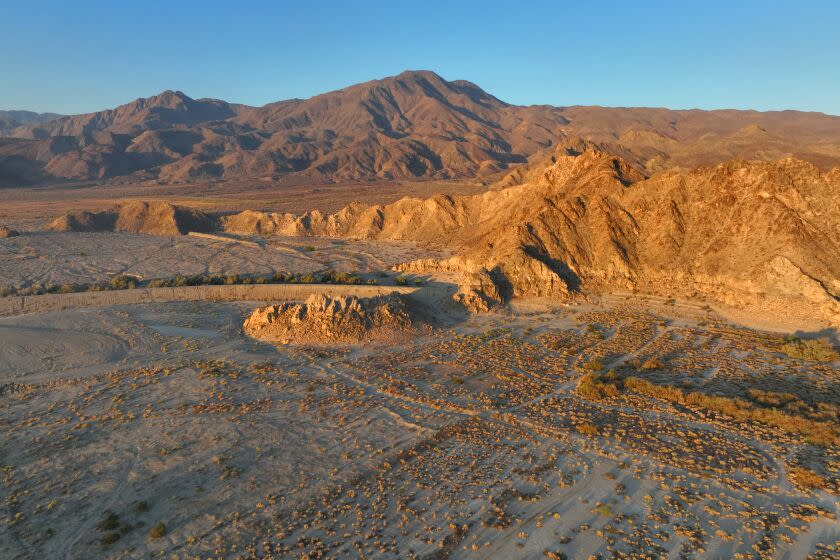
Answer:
[(416, 125)]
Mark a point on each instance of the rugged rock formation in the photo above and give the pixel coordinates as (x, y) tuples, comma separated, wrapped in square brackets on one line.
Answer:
[(326, 319), (414, 125), (156, 218), (744, 233)]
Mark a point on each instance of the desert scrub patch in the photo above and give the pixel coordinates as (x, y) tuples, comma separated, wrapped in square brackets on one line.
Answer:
[(598, 387), (816, 432), (812, 350), (594, 364), (652, 363), (587, 429), (806, 478)]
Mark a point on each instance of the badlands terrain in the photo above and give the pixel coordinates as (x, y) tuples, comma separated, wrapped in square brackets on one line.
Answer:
[(409, 320)]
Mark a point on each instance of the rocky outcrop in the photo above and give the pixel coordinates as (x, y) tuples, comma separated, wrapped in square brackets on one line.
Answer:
[(744, 233), (155, 218), (327, 319), (7, 232)]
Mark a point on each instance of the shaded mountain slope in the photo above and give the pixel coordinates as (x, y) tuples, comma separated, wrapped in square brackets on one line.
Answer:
[(10, 120)]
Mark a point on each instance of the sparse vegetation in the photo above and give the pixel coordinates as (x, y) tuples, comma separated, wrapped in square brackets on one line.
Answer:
[(125, 282), (813, 350), (597, 387), (821, 433), (587, 429), (806, 478), (595, 364)]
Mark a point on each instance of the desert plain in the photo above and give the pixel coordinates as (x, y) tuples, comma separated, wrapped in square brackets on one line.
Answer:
[(164, 430), (583, 349)]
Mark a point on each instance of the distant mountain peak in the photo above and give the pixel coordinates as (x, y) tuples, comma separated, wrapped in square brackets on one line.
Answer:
[(413, 125)]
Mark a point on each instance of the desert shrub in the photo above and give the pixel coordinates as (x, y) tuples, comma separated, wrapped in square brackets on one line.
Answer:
[(587, 429), (110, 522), (309, 248), (109, 538), (157, 531), (401, 280), (334, 277), (594, 364), (652, 363), (66, 289), (596, 330), (307, 278), (814, 350), (593, 387), (143, 505), (122, 282), (604, 510)]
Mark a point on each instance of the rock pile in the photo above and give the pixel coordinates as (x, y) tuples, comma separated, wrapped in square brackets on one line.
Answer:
[(330, 319)]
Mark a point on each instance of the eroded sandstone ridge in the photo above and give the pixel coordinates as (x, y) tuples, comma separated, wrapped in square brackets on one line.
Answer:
[(333, 319), (156, 218), (762, 234)]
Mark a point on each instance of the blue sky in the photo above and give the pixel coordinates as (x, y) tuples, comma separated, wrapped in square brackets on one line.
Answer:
[(80, 56)]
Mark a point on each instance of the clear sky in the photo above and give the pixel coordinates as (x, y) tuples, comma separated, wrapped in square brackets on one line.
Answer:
[(85, 55)]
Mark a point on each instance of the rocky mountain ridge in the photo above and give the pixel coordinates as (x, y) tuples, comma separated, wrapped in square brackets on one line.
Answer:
[(412, 126)]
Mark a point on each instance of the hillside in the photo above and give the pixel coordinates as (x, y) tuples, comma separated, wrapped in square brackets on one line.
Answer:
[(9, 120), (743, 233), (414, 125)]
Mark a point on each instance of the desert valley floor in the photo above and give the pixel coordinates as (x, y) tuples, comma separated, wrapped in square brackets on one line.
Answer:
[(599, 428)]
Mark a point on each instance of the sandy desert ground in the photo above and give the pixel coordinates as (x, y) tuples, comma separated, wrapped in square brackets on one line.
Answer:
[(163, 430)]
